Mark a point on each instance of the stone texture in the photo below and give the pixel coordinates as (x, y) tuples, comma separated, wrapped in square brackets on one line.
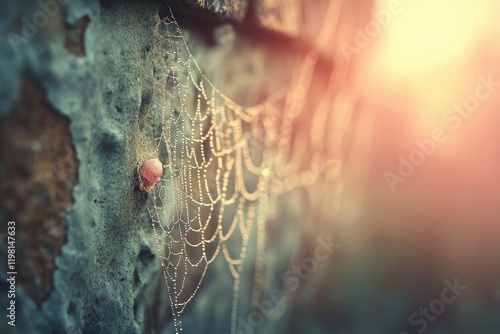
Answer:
[(39, 170)]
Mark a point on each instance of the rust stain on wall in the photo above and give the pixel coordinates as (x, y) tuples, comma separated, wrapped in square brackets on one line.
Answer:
[(39, 170), (75, 34)]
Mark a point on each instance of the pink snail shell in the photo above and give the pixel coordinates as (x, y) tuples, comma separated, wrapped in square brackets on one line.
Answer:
[(151, 173)]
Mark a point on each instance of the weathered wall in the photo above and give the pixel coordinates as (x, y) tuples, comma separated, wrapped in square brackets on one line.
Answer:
[(84, 247), (78, 114)]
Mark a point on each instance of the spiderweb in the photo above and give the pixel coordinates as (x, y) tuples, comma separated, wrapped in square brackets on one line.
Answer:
[(224, 163)]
